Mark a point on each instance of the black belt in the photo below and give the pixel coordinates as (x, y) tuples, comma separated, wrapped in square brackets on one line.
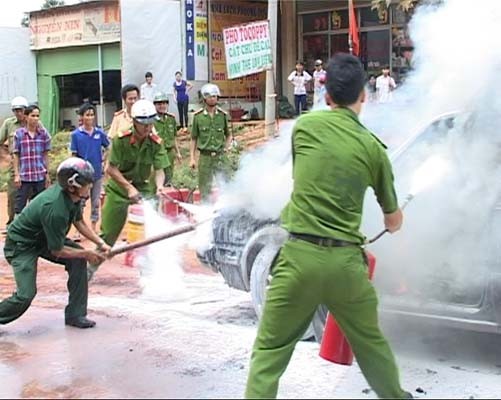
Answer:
[(211, 153), (321, 241)]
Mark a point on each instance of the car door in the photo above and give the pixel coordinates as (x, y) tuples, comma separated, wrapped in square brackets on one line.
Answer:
[(444, 251)]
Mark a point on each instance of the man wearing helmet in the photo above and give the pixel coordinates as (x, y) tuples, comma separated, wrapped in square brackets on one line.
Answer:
[(40, 231), (210, 135), (134, 154), (166, 129), (7, 133)]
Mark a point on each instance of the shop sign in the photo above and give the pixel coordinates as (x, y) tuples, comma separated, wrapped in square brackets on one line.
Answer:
[(75, 27), (247, 49)]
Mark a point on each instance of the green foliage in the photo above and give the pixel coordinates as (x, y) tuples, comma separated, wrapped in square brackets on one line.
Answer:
[(52, 3), (185, 177), (60, 144), (4, 179)]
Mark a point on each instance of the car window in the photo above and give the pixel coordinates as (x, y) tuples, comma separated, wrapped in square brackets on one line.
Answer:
[(439, 137)]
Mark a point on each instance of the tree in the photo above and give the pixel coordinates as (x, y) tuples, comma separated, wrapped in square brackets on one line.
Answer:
[(52, 3), (25, 22)]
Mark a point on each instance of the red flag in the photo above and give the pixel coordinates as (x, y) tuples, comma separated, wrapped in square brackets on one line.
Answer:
[(355, 39)]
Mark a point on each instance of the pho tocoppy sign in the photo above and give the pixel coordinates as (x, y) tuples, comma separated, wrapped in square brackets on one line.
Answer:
[(247, 49)]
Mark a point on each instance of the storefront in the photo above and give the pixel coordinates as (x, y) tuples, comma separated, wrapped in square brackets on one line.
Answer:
[(383, 37), (78, 59)]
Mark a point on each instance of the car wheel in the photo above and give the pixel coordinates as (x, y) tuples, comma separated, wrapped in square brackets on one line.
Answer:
[(260, 280)]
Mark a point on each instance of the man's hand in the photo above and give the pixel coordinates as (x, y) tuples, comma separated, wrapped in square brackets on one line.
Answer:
[(94, 257), (17, 181), (47, 181), (193, 163), (393, 221), (104, 249), (134, 195)]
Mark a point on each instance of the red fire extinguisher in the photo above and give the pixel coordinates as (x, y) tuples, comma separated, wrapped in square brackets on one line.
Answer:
[(334, 346)]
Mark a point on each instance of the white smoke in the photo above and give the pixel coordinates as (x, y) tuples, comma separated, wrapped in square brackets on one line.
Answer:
[(449, 229)]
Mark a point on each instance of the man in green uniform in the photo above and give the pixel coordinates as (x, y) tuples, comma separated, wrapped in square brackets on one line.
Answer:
[(7, 133), (134, 153), (166, 129), (335, 160), (210, 135), (40, 231)]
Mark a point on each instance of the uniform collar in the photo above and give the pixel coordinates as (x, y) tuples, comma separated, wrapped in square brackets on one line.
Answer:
[(206, 112), (81, 129)]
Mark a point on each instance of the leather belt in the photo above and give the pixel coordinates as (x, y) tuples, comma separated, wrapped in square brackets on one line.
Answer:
[(210, 153), (321, 241)]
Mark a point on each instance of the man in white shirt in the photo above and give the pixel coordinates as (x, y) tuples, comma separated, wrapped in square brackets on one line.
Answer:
[(148, 88), (385, 85), (299, 77), (319, 83)]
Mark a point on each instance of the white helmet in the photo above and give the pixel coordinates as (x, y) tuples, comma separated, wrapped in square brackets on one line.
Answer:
[(18, 102), (209, 89), (144, 112)]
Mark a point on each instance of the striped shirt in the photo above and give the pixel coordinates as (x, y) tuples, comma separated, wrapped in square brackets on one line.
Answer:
[(31, 151)]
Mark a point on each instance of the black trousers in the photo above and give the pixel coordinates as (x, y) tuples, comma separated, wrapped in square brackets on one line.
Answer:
[(182, 108), (300, 103), (27, 191)]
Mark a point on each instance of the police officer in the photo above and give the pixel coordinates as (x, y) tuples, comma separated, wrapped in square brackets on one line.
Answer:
[(166, 129), (40, 231), (7, 133), (122, 119), (335, 160), (134, 153), (210, 135)]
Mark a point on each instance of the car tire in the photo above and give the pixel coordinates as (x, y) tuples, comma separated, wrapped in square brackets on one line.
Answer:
[(260, 279)]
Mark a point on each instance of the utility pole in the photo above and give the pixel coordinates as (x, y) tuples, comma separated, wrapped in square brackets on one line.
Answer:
[(271, 96)]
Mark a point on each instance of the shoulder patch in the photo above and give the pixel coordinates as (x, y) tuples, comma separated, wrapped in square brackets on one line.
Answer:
[(221, 110), (199, 111), (119, 112), (170, 115), (155, 138), (125, 133)]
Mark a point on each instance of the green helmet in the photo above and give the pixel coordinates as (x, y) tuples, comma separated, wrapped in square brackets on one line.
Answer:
[(160, 97)]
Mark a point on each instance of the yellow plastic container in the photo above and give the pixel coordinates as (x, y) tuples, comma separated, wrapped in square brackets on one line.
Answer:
[(135, 224)]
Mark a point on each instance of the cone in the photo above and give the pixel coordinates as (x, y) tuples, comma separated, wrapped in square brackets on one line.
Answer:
[(335, 347)]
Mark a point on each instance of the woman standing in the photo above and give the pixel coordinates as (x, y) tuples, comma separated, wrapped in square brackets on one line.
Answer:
[(181, 89)]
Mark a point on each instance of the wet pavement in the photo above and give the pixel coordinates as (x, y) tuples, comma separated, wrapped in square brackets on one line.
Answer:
[(196, 344)]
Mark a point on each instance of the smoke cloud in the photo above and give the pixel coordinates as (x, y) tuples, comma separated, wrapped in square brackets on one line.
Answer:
[(448, 240)]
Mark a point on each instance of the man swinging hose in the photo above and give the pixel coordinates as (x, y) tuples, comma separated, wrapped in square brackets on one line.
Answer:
[(40, 231)]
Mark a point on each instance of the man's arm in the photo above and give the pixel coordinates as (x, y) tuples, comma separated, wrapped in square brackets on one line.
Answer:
[(193, 142), (159, 179), (4, 134), (84, 229), (117, 176), (393, 221), (69, 252)]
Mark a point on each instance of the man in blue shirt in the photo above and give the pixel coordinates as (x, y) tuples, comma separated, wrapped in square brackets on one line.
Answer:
[(90, 143)]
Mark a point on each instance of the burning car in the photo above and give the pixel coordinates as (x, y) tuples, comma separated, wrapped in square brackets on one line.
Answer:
[(442, 267)]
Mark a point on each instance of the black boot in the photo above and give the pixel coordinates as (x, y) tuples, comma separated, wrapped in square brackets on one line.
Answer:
[(80, 322)]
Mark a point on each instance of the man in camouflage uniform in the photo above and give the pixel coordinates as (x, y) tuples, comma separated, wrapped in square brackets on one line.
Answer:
[(134, 154), (166, 128), (7, 133), (211, 136)]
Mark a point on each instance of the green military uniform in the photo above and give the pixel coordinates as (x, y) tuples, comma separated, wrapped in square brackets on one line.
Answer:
[(335, 159), (166, 128), (40, 229), (211, 133), (7, 133), (135, 160)]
